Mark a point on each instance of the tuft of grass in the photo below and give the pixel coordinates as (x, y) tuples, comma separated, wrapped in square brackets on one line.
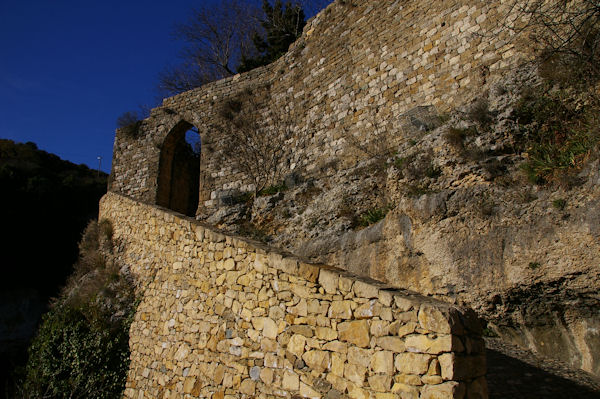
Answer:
[(456, 136), (557, 133), (488, 332), (417, 190), (271, 190), (249, 229), (480, 113), (487, 206), (433, 172), (559, 203), (533, 265), (243, 198), (373, 215)]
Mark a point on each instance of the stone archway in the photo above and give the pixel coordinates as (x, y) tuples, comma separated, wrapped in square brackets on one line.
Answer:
[(178, 183)]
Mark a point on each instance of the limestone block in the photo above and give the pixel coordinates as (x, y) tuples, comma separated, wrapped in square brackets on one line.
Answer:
[(291, 381), (308, 271), (327, 334), (345, 284), (260, 263), (267, 325), (380, 383), (424, 344), (359, 356), (248, 387), (432, 379), (355, 373), (365, 311), (356, 392), (188, 384), (301, 309), (329, 280), (300, 290), (307, 392), (289, 265), (317, 360), (307, 331), (403, 303), (266, 376), (408, 379), (382, 362), (445, 321), (336, 346), (447, 390), (365, 290), (393, 344), (338, 383), (412, 363), (380, 328), (337, 364), (296, 345), (385, 297), (255, 373), (340, 310), (355, 332)]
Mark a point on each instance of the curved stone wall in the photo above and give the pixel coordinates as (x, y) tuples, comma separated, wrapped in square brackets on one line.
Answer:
[(221, 316)]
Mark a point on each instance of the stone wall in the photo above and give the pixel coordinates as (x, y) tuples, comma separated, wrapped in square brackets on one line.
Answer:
[(359, 67), (221, 316)]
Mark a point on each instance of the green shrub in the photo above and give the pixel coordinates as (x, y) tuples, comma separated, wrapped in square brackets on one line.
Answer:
[(73, 358), (81, 349)]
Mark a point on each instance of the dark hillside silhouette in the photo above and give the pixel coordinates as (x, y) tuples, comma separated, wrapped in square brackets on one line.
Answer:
[(45, 204)]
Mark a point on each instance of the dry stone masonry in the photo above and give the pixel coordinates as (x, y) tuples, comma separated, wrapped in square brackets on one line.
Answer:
[(359, 66), (224, 317)]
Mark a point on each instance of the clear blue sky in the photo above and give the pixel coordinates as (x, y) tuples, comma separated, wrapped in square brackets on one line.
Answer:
[(68, 69)]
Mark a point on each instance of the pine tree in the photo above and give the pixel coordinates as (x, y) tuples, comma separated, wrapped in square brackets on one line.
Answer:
[(282, 25)]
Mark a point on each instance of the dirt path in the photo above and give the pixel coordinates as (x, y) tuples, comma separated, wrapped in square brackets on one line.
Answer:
[(516, 373)]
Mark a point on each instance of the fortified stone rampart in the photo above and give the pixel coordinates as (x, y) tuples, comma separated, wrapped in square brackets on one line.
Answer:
[(357, 68), (221, 316)]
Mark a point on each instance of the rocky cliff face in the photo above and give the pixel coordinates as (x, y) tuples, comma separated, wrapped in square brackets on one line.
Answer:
[(462, 222)]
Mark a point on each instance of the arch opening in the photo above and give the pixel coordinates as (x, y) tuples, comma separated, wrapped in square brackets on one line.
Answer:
[(179, 170)]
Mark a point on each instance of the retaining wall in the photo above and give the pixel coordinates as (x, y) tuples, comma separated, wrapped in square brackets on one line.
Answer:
[(221, 316)]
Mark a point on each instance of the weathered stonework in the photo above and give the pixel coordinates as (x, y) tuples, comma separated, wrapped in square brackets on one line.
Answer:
[(221, 316), (357, 65), (363, 68)]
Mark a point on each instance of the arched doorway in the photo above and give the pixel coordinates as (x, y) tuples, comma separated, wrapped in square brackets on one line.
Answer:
[(179, 170)]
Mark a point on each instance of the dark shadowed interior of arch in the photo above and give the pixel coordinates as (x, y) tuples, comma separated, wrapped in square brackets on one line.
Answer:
[(179, 170)]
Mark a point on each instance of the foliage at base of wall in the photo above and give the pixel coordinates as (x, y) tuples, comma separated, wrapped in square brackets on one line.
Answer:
[(82, 346)]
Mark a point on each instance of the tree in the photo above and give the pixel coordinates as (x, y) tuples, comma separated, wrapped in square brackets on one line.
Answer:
[(215, 38), (282, 25), (259, 140), (566, 34), (231, 36)]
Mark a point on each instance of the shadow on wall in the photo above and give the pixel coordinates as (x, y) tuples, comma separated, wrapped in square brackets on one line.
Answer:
[(179, 170)]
